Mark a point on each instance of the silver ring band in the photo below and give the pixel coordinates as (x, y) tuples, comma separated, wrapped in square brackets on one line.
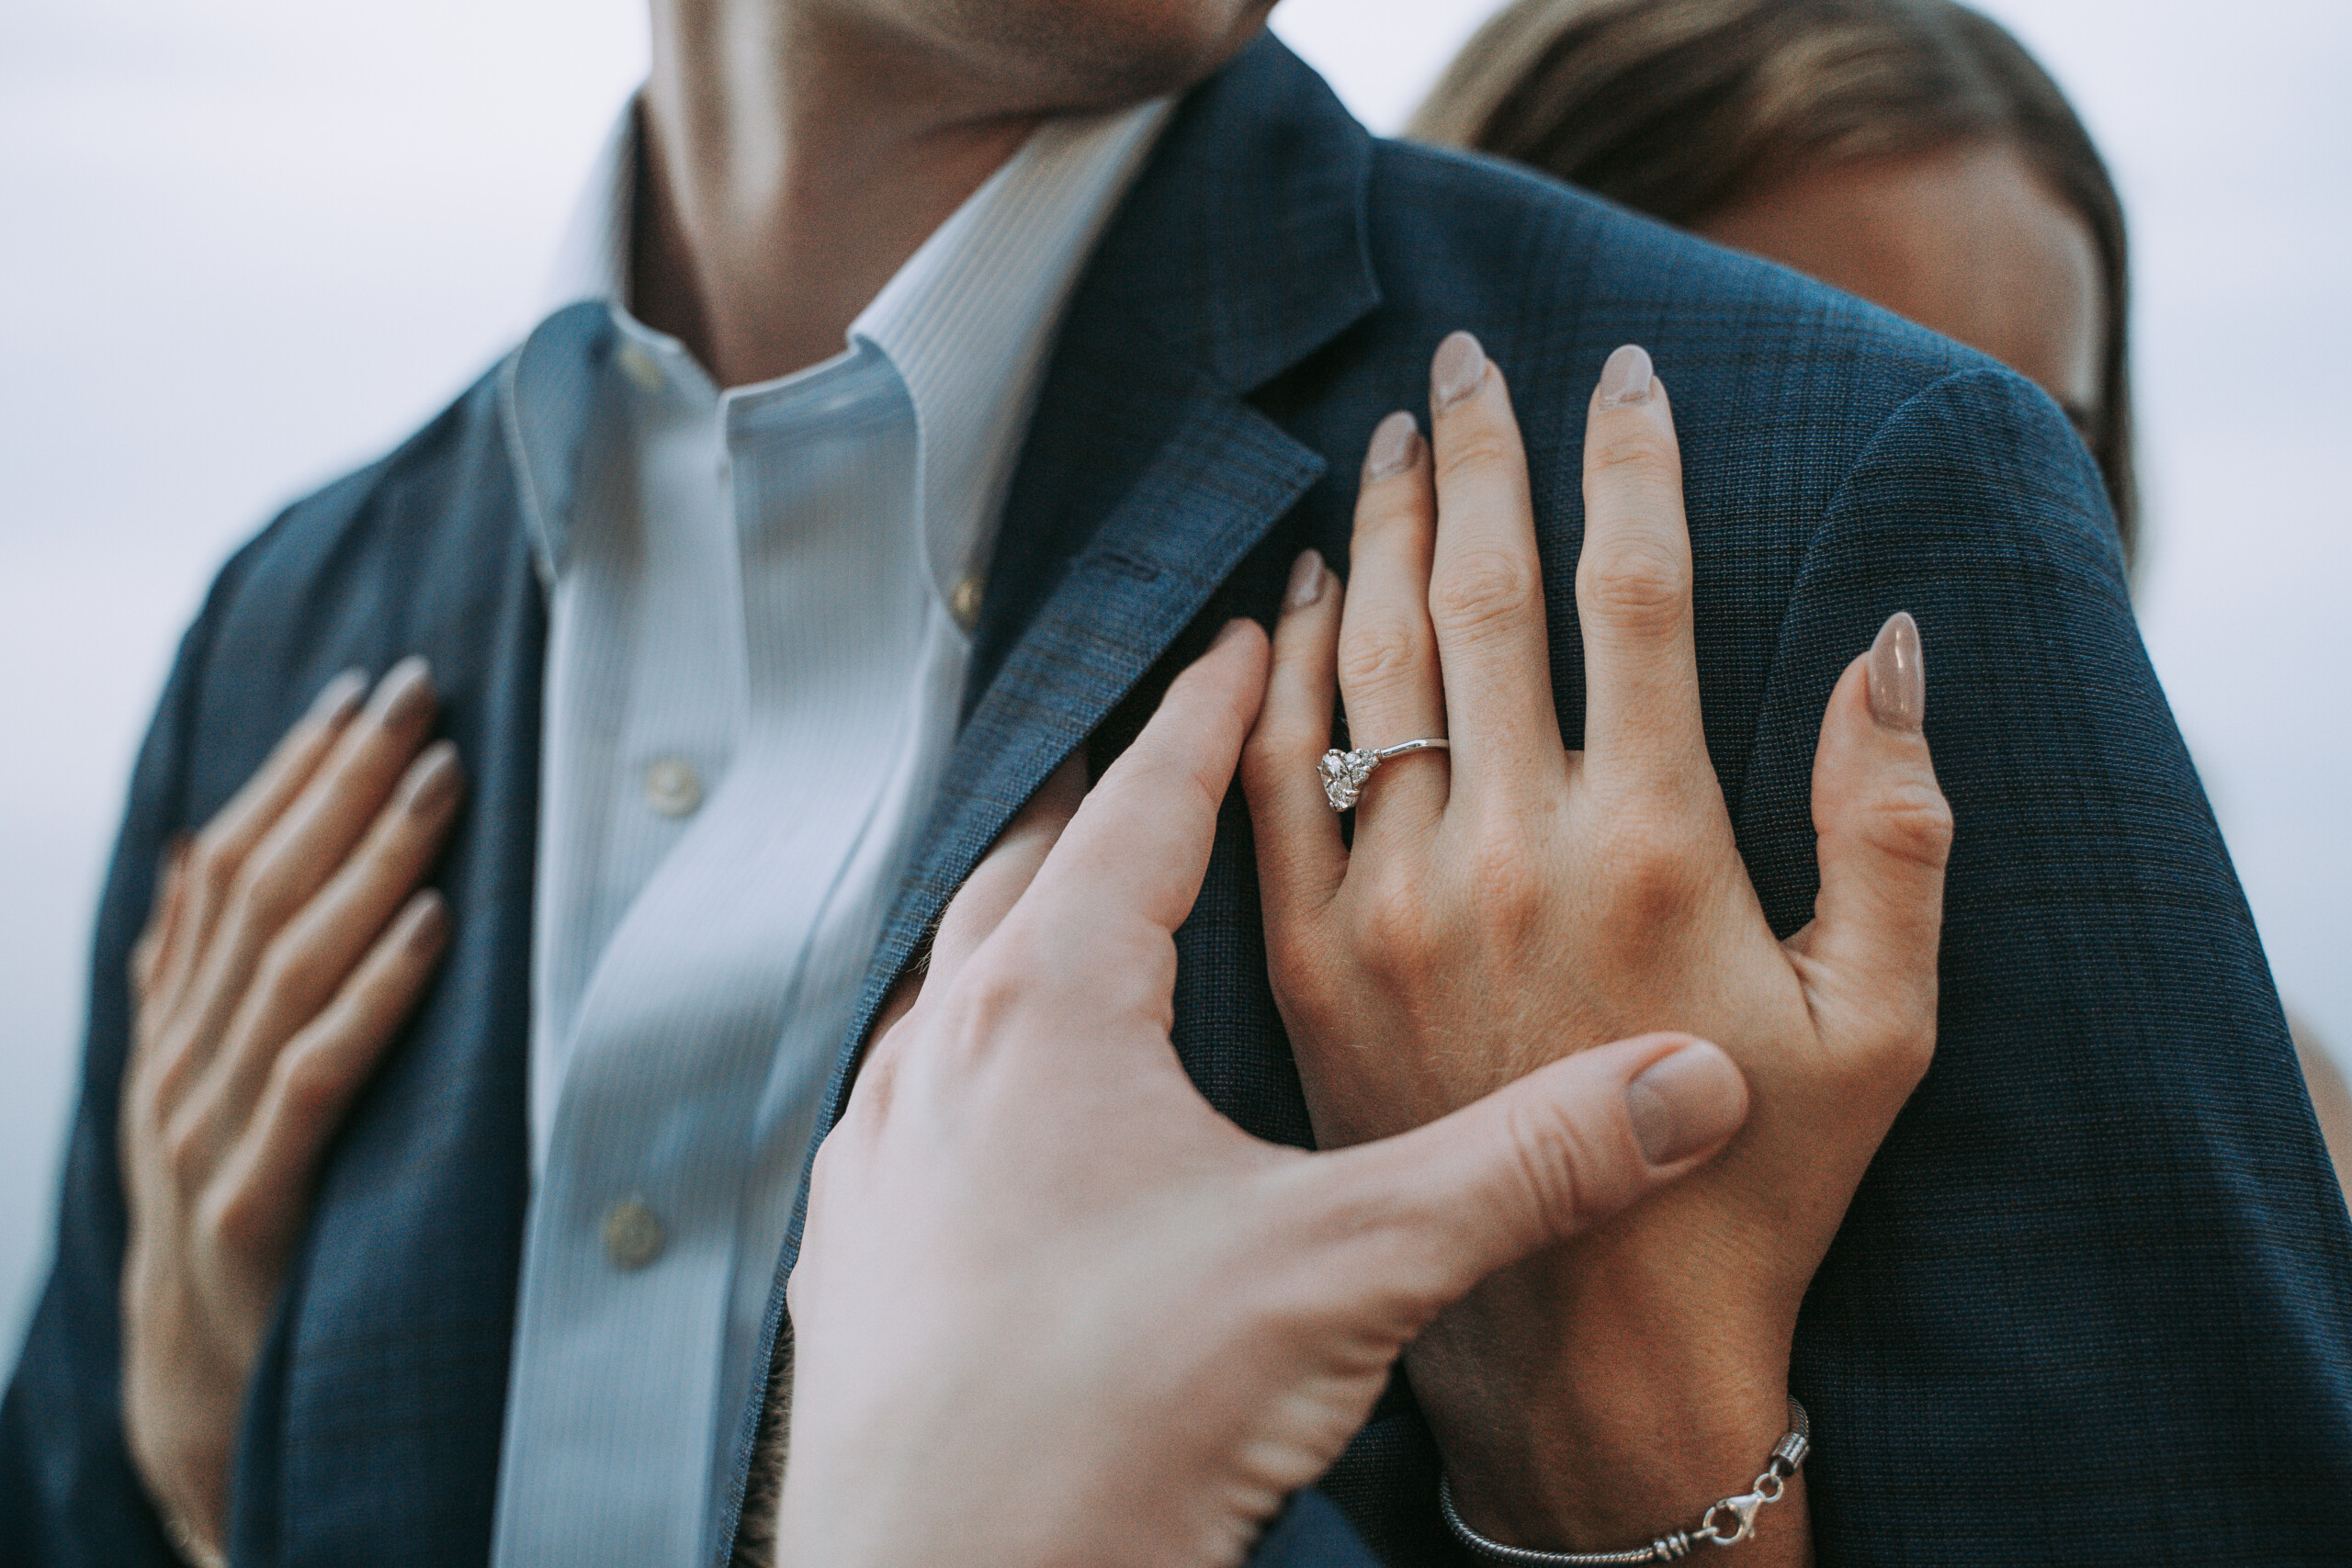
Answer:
[(1343, 772)]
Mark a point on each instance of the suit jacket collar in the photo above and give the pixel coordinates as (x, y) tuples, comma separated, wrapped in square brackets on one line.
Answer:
[(1243, 245), (1147, 476)]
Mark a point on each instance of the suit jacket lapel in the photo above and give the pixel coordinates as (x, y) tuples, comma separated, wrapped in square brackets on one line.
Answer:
[(1147, 477), (1220, 476)]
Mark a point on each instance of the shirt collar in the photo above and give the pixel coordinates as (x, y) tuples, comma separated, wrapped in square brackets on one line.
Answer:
[(966, 323), (969, 319)]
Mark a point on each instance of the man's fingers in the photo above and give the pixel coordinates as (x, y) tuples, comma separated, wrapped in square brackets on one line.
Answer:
[(1633, 590), (996, 884), (1486, 584), (267, 1183), (1300, 858), (1550, 1156), (1883, 832), (1139, 845)]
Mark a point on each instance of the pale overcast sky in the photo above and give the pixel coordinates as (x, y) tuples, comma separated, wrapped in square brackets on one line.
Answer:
[(253, 241)]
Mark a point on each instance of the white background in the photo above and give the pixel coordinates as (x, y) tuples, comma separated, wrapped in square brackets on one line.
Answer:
[(250, 243)]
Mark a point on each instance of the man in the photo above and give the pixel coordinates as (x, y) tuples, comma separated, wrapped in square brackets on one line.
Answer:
[(543, 1271)]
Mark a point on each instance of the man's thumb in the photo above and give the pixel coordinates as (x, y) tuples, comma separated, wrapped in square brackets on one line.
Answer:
[(992, 889), (1559, 1151)]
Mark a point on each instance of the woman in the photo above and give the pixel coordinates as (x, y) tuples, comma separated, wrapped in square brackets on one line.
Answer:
[(1161, 1326), (1910, 152), (1907, 151)]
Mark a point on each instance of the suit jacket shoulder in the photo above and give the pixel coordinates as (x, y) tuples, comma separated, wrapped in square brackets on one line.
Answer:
[(400, 556)]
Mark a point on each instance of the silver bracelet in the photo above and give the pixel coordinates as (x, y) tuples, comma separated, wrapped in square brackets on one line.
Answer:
[(1727, 1522)]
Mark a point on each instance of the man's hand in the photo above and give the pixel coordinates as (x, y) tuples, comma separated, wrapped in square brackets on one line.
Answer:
[(1513, 903), (283, 951), (1052, 1307)]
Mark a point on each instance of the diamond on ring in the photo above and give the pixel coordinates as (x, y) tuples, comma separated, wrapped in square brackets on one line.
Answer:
[(1343, 772)]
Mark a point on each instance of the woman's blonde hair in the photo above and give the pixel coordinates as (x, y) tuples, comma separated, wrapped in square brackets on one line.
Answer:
[(1681, 108)]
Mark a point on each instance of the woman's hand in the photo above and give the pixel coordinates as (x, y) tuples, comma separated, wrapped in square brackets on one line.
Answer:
[(1052, 1307), (1512, 902), (283, 951)]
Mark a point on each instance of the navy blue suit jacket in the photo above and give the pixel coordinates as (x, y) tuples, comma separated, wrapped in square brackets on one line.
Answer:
[(2093, 1299)]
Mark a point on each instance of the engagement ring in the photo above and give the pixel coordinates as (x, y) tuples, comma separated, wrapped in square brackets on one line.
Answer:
[(1343, 772)]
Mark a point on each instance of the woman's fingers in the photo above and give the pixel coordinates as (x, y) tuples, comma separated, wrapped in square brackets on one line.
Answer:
[(1388, 662), (309, 959), (216, 855), (1301, 860), (305, 845), (267, 1182), (1549, 1155), (1883, 834), (1642, 721), (1486, 584)]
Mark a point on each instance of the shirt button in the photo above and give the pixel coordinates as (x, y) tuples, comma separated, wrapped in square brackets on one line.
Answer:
[(639, 367), (964, 604), (672, 787), (633, 1235)]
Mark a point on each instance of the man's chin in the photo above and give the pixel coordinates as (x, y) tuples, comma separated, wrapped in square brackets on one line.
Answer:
[(1080, 56)]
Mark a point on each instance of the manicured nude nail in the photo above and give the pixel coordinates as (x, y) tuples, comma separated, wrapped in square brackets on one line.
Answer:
[(1307, 575), (1627, 377), (1459, 370), (1395, 441), (426, 922), (338, 697), (433, 781), (1685, 1102), (404, 697), (1898, 679)]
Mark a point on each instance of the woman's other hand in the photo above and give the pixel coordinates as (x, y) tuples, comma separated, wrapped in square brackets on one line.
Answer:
[(284, 950), (1052, 1307), (1511, 903)]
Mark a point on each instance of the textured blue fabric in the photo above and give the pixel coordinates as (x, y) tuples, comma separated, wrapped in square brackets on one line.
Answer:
[(2094, 1301), (1310, 1533)]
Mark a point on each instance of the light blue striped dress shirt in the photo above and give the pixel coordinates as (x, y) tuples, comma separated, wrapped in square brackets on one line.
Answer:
[(759, 608)]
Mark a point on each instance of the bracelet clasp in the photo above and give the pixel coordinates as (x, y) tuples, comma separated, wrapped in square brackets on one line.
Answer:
[(1742, 1508)]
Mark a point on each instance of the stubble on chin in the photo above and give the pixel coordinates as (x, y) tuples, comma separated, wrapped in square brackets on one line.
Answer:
[(1076, 56)]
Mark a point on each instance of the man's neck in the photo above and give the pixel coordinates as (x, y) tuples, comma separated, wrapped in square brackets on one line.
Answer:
[(791, 164)]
